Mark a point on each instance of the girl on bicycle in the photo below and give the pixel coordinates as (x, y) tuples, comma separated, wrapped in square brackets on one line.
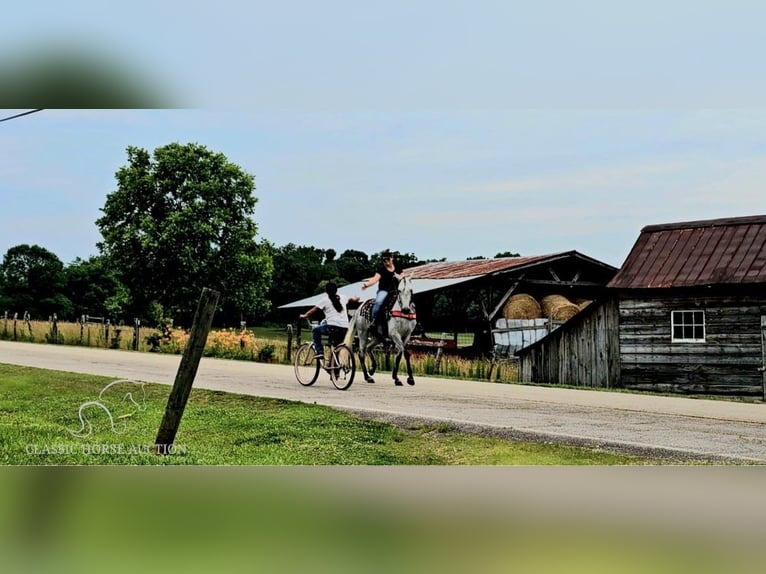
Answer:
[(333, 305)]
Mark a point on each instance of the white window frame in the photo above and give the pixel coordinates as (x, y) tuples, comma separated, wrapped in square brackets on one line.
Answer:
[(675, 316)]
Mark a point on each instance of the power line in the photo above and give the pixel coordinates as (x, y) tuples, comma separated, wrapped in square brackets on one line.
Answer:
[(21, 114)]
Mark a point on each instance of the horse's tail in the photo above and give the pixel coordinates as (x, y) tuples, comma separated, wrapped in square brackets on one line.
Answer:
[(349, 339)]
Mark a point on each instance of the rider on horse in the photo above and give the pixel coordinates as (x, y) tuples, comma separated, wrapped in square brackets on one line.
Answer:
[(386, 277)]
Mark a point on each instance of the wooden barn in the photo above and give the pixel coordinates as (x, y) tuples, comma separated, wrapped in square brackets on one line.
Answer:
[(686, 313)]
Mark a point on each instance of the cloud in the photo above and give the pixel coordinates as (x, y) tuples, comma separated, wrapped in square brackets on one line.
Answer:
[(597, 178)]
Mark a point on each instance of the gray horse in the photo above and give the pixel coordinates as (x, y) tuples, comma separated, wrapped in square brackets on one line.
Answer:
[(401, 323)]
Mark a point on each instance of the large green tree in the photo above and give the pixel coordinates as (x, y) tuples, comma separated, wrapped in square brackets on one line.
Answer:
[(32, 279), (180, 220)]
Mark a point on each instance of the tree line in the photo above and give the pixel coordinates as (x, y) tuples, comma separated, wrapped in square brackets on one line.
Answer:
[(180, 219), (35, 280)]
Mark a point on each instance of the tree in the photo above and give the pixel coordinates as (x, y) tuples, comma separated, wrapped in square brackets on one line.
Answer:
[(401, 260), (32, 279), (507, 254), (297, 273), (92, 287), (180, 220), (353, 265)]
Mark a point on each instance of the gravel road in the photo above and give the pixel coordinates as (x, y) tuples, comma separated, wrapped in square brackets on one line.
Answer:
[(672, 428)]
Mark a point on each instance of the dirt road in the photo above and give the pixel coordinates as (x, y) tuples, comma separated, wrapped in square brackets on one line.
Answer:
[(674, 427)]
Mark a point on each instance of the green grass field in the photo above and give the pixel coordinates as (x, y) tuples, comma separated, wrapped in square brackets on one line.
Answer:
[(40, 410)]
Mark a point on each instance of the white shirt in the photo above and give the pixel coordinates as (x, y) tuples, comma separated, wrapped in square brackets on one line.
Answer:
[(333, 317)]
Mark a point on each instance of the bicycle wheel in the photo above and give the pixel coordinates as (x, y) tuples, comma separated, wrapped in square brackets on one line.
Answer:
[(343, 367), (306, 366)]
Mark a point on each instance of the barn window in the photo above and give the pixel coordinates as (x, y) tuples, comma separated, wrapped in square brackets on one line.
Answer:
[(688, 326)]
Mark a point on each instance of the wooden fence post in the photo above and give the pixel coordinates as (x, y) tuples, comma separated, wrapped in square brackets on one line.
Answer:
[(106, 333), (136, 333), (289, 342), (82, 327), (55, 329), (28, 323), (5, 324), (15, 318), (187, 370)]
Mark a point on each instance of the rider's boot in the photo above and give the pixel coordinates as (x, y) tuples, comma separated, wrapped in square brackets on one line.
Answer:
[(380, 325)]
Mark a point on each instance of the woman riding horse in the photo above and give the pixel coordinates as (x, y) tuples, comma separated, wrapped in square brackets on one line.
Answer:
[(400, 325)]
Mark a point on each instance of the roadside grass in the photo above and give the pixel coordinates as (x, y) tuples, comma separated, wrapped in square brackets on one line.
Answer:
[(40, 409)]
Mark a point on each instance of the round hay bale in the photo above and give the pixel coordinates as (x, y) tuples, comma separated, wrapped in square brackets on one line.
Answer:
[(558, 307), (521, 306)]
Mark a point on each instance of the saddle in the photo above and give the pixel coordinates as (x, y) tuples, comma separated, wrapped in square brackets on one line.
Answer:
[(381, 325)]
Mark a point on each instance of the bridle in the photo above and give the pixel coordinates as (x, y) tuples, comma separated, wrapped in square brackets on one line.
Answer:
[(399, 312)]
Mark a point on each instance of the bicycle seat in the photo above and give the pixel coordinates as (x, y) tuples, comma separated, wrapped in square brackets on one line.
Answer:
[(336, 335)]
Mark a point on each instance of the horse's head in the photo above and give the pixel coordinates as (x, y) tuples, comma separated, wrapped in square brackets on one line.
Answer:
[(404, 294)]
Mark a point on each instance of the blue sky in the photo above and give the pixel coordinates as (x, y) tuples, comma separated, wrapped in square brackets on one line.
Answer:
[(449, 129), (451, 184)]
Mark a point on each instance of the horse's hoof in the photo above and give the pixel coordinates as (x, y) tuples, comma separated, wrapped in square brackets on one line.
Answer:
[(398, 383), (410, 381), (370, 380)]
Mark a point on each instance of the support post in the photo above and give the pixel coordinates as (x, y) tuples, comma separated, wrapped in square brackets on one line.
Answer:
[(187, 370)]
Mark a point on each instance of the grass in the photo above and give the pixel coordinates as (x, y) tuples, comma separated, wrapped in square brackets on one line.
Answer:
[(39, 412)]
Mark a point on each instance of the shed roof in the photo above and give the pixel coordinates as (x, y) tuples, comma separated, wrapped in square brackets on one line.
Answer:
[(355, 290), (472, 267), (442, 274), (692, 253), (480, 267)]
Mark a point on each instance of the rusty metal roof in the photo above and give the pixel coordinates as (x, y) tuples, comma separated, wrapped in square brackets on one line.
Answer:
[(692, 253), (473, 267), (432, 276)]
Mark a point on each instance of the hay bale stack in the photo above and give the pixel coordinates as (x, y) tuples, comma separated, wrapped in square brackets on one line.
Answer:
[(558, 307), (522, 306)]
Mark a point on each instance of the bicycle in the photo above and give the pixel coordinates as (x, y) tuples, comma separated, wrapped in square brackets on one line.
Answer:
[(338, 361)]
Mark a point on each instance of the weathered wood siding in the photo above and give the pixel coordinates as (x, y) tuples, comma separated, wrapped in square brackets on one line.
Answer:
[(582, 352), (726, 363)]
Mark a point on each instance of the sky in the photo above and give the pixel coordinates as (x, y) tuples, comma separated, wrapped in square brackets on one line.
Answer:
[(447, 130)]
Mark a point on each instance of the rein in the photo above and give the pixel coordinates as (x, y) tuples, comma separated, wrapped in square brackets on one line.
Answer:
[(401, 315)]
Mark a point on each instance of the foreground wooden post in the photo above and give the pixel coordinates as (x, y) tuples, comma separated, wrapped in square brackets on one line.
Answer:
[(187, 370)]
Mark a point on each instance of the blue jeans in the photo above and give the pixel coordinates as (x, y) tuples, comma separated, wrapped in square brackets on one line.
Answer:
[(379, 299), (323, 329)]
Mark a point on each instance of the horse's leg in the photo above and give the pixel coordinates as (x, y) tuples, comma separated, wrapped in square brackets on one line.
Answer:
[(363, 347), (410, 378), (395, 373), (397, 340)]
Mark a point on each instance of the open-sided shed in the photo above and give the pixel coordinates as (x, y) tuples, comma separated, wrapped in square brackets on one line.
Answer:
[(469, 296)]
